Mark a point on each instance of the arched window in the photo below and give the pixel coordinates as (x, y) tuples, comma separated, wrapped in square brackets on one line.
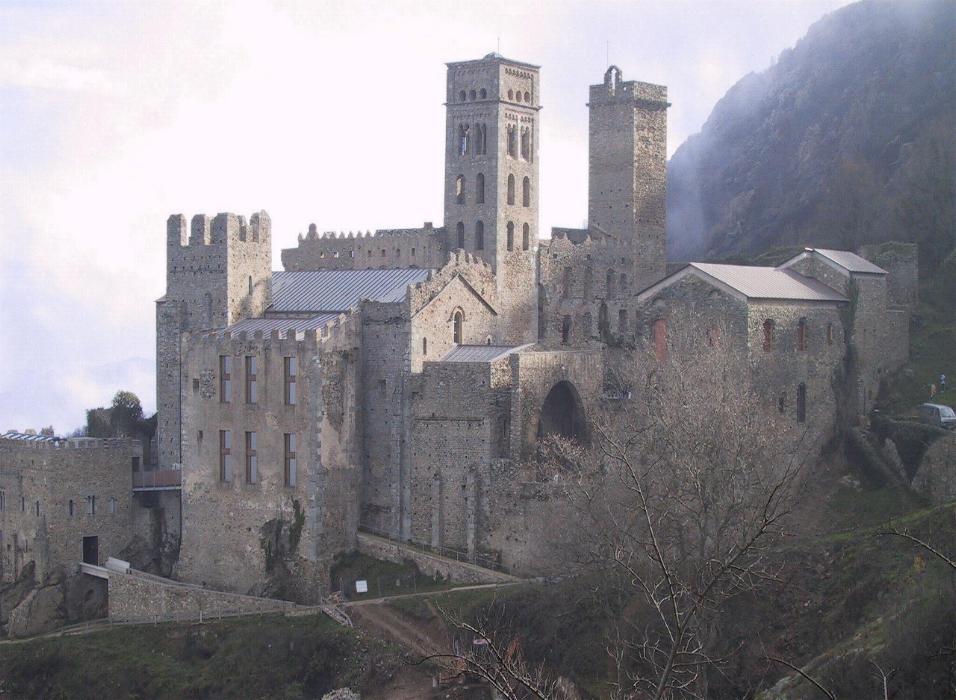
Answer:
[(525, 237), (464, 137), (461, 96), (801, 403), (565, 330), (479, 189), (472, 95), (802, 334), (623, 285), (457, 321), (511, 235), (511, 140), (527, 96), (479, 235), (526, 192), (610, 283), (622, 321), (659, 338), (586, 324), (481, 139), (424, 346), (460, 229), (484, 93), (588, 274), (526, 143), (460, 189), (511, 94), (768, 335), (511, 189)]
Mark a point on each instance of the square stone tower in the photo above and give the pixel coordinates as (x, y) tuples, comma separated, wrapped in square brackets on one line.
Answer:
[(491, 179), (627, 170), (218, 272)]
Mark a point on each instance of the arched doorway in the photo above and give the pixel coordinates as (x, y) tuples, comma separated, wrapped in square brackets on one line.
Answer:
[(562, 414)]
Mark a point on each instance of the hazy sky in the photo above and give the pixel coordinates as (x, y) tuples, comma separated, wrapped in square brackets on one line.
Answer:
[(115, 115)]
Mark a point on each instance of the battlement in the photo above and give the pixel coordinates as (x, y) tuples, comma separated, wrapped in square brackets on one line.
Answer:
[(314, 235), (615, 90), (218, 230), (337, 333)]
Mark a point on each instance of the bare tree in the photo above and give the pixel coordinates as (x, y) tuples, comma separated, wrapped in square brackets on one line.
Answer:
[(679, 491)]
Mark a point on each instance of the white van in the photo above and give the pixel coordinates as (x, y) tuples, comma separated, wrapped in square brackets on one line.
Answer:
[(937, 414)]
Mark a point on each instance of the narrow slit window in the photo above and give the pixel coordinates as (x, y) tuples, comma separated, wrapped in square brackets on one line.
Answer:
[(252, 457), (225, 455), (802, 334), (525, 237), (511, 189), (290, 459), (526, 192), (479, 235), (802, 403), (565, 330), (511, 235), (480, 189), (290, 370), (225, 378), (252, 393), (460, 230)]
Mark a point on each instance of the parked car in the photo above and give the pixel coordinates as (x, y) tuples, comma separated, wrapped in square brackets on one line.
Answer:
[(938, 415)]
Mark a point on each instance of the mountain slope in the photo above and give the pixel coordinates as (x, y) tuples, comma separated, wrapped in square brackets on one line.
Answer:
[(847, 139)]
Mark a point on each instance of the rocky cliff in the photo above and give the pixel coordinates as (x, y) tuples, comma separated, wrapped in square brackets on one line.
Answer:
[(847, 139)]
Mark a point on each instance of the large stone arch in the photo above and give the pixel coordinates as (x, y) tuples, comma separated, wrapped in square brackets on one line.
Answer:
[(562, 413)]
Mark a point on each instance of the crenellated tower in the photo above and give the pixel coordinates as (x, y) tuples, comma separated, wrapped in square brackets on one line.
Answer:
[(491, 179), (627, 170), (218, 272)]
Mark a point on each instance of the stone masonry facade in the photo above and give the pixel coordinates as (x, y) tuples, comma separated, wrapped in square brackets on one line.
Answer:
[(399, 382)]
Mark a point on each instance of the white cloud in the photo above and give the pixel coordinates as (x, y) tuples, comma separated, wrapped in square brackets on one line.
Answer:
[(116, 115)]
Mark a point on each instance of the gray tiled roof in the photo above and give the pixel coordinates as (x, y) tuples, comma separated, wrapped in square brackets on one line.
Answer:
[(477, 353), (769, 282), (335, 291), (849, 261), (281, 324)]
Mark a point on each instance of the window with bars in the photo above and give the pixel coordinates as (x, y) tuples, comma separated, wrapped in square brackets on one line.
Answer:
[(290, 460), (225, 378), (290, 370), (225, 455), (252, 458), (252, 392)]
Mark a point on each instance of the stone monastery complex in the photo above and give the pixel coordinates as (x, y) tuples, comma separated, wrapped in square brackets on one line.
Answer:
[(398, 383)]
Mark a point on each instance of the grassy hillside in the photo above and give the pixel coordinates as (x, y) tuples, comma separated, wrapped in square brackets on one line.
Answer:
[(264, 657)]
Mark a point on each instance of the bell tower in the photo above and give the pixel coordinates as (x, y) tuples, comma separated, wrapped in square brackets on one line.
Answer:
[(491, 179), (627, 170)]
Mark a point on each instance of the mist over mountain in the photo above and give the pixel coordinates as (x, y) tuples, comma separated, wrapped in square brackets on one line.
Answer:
[(847, 139)]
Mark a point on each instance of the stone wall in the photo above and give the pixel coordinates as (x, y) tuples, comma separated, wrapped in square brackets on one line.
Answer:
[(138, 596), (413, 247), (430, 564), (56, 494)]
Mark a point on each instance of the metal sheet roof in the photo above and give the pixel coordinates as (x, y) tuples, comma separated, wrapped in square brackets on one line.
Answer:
[(769, 282), (339, 290), (14, 435), (271, 323), (849, 261), (478, 353)]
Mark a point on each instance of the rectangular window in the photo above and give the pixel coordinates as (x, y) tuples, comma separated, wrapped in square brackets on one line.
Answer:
[(252, 395), (225, 378), (290, 459), (38, 509), (225, 455), (91, 505), (112, 505), (802, 403), (252, 458), (289, 374)]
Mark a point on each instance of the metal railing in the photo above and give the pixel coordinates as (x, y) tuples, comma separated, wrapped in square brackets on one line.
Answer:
[(158, 479)]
